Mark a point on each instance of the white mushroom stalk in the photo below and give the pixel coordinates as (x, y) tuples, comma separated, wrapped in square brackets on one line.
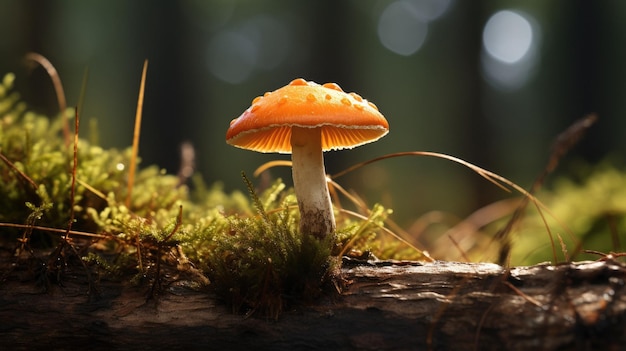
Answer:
[(309, 181), (305, 119)]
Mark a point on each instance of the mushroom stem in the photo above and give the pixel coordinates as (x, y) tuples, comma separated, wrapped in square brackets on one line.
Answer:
[(309, 181)]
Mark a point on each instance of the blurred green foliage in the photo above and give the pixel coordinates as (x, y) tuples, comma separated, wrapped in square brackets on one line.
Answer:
[(439, 98), (586, 213)]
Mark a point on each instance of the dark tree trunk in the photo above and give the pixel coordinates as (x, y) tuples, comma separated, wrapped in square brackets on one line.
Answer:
[(382, 306)]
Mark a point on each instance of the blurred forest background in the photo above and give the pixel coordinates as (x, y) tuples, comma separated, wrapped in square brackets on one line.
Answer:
[(492, 82)]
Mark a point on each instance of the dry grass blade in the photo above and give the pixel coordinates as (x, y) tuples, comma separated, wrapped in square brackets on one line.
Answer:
[(563, 143), (267, 165), (490, 176), (363, 207), (95, 191), (58, 88), (137, 132), (53, 230), (458, 247), (16, 170), (386, 230), (568, 138), (465, 231), (135, 151)]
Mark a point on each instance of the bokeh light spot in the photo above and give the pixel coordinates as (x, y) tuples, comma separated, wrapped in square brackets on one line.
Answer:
[(507, 36), (400, 29), (509, 56), (259, 43), (271, 38), (231, 56), (430, 10)]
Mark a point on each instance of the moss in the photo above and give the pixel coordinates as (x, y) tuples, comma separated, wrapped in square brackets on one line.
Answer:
[(248, 247), (259, 261), (588, 213)]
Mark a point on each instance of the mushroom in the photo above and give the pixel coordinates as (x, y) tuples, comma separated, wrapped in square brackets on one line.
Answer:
[(304, 119)]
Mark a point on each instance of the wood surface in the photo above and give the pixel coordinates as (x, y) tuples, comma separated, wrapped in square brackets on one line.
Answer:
[(382, 305)]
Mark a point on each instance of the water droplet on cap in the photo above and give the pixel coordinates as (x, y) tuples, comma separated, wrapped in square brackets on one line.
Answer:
[(372, 105), (356, 97), (332, 86), (298, 81)]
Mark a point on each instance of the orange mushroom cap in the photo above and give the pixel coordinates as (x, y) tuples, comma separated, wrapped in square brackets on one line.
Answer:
[(346, 119)]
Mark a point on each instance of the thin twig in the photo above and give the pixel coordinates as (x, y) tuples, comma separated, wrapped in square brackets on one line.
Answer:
[(74, 169)]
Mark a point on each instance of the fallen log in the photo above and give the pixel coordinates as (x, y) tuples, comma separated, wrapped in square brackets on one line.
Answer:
[(382, 305)]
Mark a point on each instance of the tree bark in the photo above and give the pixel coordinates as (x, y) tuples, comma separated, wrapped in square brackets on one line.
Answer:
[(383, 305)]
